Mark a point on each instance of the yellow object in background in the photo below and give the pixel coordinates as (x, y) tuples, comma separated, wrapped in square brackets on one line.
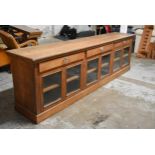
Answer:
[(4, 59)]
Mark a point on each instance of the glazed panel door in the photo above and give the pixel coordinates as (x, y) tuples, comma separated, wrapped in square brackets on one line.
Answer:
[(126, 56), (105, 65), (117, 60), (51, 88), (92, 70), (73, 78)]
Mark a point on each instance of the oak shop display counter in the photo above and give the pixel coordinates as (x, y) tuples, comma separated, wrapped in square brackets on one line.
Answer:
[(48, 78)]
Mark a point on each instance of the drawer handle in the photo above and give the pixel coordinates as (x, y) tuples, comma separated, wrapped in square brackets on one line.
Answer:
[(66, 60)]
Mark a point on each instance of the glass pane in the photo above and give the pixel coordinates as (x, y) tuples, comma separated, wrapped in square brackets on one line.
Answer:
[(126, 50), (52, 88), (92, 70), (51, 79), (52, 96), (126, 56), (117, 61), (126, 61), (73, 86), (73, 78), (105, 65)]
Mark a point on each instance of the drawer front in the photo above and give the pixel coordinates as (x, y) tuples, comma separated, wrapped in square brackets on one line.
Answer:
[(127, 42), (73, 58), (93, 52), (60, 62), (107, 48), (99, 50), (118, 45)]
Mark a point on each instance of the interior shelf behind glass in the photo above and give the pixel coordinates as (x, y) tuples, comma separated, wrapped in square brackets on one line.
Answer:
[(52, 88), (52, 96), (51, 79), (117, 61), (92, 70), (126, 56), (105, 67), (73, 78)]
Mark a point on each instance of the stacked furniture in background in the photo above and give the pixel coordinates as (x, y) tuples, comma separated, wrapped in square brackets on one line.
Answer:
[(146, 48)]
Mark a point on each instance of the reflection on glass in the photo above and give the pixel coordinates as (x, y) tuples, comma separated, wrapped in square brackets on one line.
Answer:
[(51, 79), (126, 56), (51, 88), (52, 96), (117, 61), (105, 65), (92, 70), (73, 78)]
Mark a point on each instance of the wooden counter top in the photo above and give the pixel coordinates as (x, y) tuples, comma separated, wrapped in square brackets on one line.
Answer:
[(44, 52)]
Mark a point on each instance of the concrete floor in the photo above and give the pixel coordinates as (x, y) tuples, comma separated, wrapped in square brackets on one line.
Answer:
[(126, 102)]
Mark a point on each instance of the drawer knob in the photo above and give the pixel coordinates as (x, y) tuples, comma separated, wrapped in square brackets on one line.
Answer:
[(102, 49), (66, 60)]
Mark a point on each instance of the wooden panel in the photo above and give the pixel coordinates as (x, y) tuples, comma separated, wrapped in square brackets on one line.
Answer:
[(60, 62), (127, 42), (93, 52), (50, 64), (99, 50), (107, 48), (118, 45), (24, 84)]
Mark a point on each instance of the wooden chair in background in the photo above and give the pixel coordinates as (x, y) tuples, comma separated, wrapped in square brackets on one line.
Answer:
[(10, 43)]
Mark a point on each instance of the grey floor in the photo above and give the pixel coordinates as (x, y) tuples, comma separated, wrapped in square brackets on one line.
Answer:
[(126, 102)]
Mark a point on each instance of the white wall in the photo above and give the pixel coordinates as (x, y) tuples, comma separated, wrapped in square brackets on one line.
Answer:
[(56, 29), (81, 27), (49, 30), (137, 26)]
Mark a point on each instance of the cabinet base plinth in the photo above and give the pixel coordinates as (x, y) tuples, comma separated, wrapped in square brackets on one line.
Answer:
[(26, 113)]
